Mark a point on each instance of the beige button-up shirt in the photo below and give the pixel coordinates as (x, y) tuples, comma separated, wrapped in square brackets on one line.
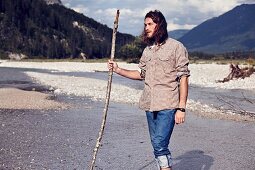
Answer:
[(163, 66)]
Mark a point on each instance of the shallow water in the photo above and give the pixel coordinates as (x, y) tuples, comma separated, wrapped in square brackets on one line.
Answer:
[(235, 100)]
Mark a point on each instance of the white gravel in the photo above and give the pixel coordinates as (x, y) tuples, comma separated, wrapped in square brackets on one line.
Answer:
[(204, 75), (59, 66), (94, 88)]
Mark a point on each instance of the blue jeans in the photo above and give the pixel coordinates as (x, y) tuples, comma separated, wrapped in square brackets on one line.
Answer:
[(161, 125)]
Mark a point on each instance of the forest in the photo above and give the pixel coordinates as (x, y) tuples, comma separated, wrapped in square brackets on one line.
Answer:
[(38, 30)]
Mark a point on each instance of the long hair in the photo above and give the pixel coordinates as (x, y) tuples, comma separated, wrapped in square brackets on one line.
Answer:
[(160, 33)]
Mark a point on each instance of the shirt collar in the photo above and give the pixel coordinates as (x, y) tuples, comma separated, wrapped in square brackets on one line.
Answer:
[(160, 45)]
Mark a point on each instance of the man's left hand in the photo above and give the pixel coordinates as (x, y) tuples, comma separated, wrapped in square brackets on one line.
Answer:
[(179, 117)]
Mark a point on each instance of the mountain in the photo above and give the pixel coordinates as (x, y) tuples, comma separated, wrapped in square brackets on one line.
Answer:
[(232, 31), (50, 2), (176, 34), (38, 30)]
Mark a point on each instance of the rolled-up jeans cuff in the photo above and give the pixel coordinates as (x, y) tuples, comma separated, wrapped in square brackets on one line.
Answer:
[(164, 161)]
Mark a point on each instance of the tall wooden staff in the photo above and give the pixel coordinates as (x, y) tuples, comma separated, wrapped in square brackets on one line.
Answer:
[(115, 27)]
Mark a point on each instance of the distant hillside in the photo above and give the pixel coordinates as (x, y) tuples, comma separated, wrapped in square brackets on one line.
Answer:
[(232, 31), (37, 30), (176, 34)]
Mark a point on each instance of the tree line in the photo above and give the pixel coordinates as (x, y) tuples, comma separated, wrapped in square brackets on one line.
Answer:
[(48, 31)]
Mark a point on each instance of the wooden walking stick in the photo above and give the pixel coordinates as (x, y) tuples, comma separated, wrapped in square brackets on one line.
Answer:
[(100, 135)]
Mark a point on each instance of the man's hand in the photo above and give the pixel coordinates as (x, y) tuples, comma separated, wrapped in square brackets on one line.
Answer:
[(112, 65), (179, 117)]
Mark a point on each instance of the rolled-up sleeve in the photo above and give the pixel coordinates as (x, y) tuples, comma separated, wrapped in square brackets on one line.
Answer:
[(142, 63), (182, 61), (142, 66)]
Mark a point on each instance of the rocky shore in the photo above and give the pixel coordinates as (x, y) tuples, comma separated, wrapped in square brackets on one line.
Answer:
[(202, 76)]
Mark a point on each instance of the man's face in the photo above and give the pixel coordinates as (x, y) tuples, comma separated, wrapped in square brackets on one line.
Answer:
[(149, 27)]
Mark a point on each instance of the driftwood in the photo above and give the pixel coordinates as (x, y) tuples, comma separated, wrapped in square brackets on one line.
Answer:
[(236, 72), (98, 143)]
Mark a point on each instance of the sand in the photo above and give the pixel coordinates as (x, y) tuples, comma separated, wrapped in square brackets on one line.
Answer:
[(12, 98)]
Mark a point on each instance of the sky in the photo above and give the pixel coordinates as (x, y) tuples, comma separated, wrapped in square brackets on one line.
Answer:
[(179, 14)]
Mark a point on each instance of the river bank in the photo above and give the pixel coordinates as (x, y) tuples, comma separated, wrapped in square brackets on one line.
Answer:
[(231, 100), (64, 139)]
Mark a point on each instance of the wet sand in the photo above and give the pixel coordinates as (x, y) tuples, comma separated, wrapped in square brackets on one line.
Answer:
[(18, 91), (65, 138), (13, 98)]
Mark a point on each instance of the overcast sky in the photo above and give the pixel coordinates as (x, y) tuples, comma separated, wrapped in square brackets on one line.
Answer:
[(180, 14)]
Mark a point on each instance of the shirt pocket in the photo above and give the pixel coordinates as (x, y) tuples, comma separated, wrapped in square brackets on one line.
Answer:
[(167, 63)]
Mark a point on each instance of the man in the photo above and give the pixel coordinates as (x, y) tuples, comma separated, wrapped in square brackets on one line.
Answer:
[(164, 69)]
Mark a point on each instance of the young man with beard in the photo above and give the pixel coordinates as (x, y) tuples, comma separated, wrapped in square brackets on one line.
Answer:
[(164, 69)]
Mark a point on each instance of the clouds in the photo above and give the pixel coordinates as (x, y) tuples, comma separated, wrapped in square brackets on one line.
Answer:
[(180, 14)]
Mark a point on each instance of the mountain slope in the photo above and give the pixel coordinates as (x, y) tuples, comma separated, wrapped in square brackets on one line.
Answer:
[(53, 31), (232, 31), (49, 2), (176, 34)]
